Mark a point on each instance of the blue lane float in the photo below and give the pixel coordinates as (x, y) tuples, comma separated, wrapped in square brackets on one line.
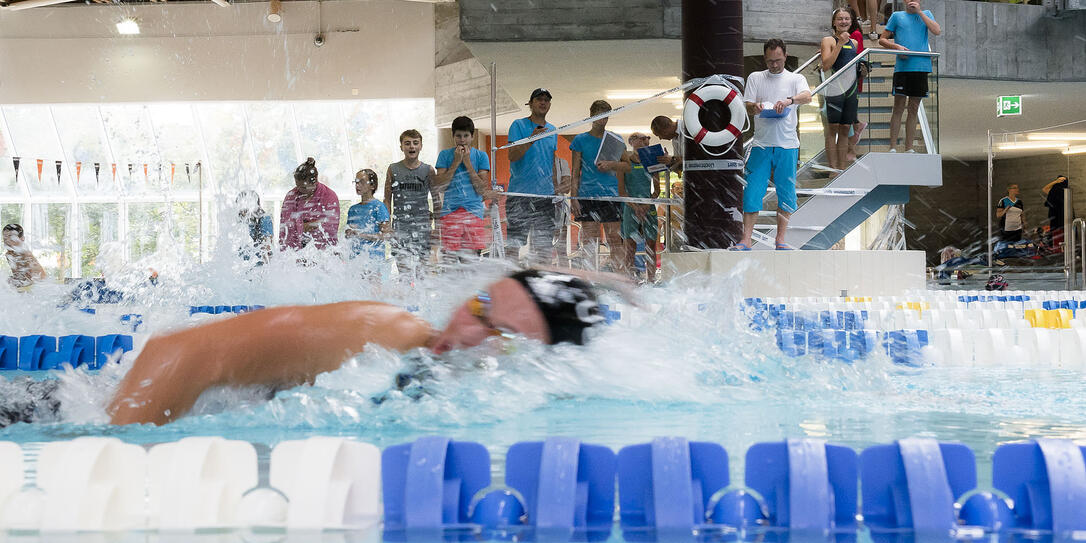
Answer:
[(808, 485), (41, 352), (912, 485), (667, 485), (429, 484), (1046, 480), (567, 485)]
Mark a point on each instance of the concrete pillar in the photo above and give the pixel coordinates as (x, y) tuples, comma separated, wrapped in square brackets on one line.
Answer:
[(712, 44)]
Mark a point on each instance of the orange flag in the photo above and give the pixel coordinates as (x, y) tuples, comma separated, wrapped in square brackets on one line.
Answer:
[(173, 169), (40, 161), (145, 179), (114, 173), (78, 171)]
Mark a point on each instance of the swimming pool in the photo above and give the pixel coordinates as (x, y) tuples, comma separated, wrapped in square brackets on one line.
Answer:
[(686, 364)]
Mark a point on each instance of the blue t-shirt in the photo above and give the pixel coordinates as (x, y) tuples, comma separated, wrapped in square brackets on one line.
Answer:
[(460, 193), (366, 219), (260, 231), (593, 181), (534, 172), (909, 30)]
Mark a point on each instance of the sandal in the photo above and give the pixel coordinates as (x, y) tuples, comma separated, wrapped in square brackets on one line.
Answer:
[(784, 247), (739, 247)]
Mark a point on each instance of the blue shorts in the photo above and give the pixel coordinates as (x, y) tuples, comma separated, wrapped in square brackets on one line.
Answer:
[(782, 163)]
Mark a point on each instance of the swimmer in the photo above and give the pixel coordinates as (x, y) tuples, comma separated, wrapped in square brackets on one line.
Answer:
[(287, 346)]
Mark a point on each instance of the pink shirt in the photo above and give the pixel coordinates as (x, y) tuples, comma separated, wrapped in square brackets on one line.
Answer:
[(322, 207)]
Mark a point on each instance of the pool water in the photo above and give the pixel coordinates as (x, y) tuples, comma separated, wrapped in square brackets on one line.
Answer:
[(685, 364)]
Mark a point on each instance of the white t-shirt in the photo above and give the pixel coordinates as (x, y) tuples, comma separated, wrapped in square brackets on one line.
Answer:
[(766, 87)]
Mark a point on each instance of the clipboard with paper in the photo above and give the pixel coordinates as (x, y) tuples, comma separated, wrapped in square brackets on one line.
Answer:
[(649, 156), (611, 148)]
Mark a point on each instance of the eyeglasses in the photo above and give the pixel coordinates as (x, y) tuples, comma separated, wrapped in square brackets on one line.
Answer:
[(480, 309)]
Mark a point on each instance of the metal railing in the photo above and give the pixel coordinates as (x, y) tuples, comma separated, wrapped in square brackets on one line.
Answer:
[(1076, 247)]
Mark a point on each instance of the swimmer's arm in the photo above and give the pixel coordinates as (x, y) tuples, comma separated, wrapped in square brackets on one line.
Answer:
[(278, 346)]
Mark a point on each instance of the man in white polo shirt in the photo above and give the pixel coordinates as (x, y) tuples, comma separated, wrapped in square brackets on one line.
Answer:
[(772, 96)]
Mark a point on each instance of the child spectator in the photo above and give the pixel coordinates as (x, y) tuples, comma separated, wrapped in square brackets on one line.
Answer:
[(639, 221), (408, 183), (463, 176), (591, 181), (908, 31), (368, 220), (259, 224)]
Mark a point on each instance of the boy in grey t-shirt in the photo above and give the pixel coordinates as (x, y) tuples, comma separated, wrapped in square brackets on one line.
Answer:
[(407, 189)]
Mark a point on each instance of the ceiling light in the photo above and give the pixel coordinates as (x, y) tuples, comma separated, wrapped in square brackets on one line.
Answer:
[(1057, 136), (273, 11), (1075, 150), (1032, 145), (128, 26)]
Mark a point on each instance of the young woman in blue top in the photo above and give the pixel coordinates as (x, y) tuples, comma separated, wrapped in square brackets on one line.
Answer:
[(367, 221)]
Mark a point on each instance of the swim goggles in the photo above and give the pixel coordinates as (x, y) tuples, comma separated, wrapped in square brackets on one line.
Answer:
[(479, 306)]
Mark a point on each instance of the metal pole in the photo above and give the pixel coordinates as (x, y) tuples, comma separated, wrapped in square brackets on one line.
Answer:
[(989, 210), (1068, 248), (1082, 249), (495, 213), (1071, 247), (200, 207), (668, 236)]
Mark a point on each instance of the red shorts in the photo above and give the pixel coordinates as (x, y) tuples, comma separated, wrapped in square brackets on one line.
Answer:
[(461, 231)]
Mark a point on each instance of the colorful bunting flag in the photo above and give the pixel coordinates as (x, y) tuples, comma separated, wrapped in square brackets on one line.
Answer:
[(40, 162), (15, 160), (173, 169), (78, 171), (97, 168), (145, 178), (114, 173), (58, 172)]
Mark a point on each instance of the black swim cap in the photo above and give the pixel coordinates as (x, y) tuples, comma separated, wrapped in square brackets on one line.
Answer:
[(306, 171), (568, 303)]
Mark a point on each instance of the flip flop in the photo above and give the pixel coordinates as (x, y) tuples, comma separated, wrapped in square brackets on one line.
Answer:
[(739, 247), (784, 247)]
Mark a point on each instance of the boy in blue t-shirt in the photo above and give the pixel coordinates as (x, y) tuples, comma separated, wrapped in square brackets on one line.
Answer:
[(367, 221), (908, 31), (463, 175), (591, 180)]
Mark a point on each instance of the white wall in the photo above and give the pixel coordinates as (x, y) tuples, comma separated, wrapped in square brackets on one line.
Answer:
[(200, 51)]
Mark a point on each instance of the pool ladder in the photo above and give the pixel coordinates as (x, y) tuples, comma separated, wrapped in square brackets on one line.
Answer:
[(1075, 249)]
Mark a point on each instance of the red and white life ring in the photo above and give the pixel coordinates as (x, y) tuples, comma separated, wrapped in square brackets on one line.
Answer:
[(697, 100)]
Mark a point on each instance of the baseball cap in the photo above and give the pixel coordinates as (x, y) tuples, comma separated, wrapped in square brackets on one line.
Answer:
[(539, 92)]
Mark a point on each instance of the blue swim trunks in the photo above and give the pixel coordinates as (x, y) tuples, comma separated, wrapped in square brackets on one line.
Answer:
[(782, 164)]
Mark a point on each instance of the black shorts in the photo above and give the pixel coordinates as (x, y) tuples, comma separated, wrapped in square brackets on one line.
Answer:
[(598, 211), (911, 84), (1012, 236), (525, 215), (844, 109)]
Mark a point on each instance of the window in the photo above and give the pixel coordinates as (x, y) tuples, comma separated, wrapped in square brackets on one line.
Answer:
[(156, 162)]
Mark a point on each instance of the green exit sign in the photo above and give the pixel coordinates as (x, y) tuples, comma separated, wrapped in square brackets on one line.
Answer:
[(1009, 105)]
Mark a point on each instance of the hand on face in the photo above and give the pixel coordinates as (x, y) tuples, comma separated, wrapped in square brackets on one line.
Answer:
[(912, 7)]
